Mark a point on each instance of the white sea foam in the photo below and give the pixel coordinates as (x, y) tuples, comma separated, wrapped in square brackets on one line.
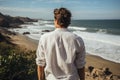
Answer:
[(105, 38), (104, 45), (35, 36), (102, 31), (35, 23), (71, 27), (77, 28), (101, 44), (48, 25)]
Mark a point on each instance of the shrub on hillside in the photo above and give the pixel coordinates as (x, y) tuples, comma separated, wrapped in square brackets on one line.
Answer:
[(16, 64)]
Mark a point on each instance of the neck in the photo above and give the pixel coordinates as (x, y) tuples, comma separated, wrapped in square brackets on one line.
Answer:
[(59, 26), (56, 25)]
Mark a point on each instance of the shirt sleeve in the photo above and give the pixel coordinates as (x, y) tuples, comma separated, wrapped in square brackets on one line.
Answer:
[(40, 54), (80, 53)]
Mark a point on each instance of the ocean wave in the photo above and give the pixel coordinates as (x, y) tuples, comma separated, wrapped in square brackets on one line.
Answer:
[(44, 22), (104, 45), (105, 38), (102, 31), (49, 25), (70, 27), (77, 28), (97, 42)]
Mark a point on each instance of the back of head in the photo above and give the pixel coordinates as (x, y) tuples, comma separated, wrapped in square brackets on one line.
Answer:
[(63, 17)]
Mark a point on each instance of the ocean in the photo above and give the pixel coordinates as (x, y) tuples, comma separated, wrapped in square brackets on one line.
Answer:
[(101, 37)]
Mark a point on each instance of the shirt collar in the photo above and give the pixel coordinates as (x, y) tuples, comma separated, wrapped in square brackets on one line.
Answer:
[(61, 29)]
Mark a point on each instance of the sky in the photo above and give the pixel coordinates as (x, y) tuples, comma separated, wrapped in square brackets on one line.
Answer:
[(80, 9)]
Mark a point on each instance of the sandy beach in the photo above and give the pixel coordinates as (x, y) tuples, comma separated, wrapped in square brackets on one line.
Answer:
[(97, 62), (24, 42)]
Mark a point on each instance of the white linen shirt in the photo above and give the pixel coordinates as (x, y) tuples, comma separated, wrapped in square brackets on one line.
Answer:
[(62, 53)]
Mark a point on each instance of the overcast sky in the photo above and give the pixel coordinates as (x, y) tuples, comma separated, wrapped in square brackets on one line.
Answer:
[(81, 9)]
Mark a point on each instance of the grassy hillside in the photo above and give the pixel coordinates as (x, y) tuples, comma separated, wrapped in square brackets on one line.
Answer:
[(15, 64)]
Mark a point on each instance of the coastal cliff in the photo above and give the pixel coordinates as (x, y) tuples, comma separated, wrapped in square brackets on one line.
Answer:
[(9, 21)]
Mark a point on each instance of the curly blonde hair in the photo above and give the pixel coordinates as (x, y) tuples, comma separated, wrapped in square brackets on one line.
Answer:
[(63, 17)]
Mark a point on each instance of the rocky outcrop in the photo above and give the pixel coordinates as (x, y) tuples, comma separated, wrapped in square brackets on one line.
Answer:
[(26, 19), (8, 21), (26, 33), (45, 30), (93, 73), (4, 22)]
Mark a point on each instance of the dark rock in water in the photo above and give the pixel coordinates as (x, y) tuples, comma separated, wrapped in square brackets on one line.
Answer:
[(26, 33), (45, 30), (90, 68)]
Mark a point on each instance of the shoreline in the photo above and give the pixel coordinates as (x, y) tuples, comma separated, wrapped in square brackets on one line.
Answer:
[(27, 43)]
